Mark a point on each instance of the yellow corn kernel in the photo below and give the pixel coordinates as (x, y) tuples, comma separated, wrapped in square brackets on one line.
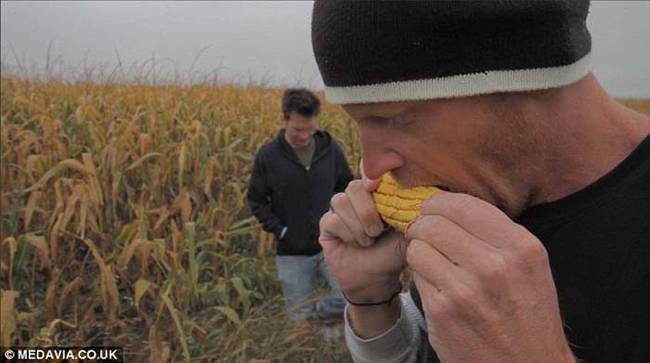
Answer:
[(399, 206)]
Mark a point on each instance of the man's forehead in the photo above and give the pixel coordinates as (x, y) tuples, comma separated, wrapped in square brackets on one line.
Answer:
[(385, 109), (295, 117)]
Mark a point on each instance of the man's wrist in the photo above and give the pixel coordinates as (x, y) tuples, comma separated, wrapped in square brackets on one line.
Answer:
[(370, 302), (380, 292)]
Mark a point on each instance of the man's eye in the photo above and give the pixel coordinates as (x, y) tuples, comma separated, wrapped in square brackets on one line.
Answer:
[(397, 122), (388, 122)]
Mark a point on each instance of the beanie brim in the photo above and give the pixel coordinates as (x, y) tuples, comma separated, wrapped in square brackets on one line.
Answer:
[(463, 84)]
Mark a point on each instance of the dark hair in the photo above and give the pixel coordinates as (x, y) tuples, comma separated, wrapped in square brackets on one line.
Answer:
[(300, 100)]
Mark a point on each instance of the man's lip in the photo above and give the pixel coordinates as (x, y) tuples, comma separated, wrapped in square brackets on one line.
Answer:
[(446, 188), (439, 186)]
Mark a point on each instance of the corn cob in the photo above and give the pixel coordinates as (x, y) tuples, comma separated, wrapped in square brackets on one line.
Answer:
[(399, 206)]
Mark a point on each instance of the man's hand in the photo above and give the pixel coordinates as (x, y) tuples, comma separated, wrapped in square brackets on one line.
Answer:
[(485, 282), (366, 261)]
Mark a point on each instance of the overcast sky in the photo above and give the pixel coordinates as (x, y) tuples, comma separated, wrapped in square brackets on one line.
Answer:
[(267, 41)]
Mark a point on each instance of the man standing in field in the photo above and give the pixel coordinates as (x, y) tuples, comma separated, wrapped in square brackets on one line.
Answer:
[(539, 249), (294, 176)]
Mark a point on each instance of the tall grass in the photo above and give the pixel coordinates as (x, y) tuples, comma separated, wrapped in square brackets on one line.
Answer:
[(124, 222)]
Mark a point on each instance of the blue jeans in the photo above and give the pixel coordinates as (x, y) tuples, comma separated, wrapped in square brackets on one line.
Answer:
[(297, 275)]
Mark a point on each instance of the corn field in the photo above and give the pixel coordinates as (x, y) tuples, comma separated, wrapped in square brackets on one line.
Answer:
[(124, 222)]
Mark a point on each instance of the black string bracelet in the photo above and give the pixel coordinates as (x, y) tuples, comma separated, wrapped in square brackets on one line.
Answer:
[(387, 301)]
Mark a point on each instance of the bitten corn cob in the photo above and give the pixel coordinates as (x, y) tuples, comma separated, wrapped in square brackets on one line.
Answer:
[(399, 206)]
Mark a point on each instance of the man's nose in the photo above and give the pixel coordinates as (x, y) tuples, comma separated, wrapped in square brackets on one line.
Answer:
[(378, 157)]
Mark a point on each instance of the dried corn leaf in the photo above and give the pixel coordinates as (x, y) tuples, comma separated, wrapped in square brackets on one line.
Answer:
[(9, 315)]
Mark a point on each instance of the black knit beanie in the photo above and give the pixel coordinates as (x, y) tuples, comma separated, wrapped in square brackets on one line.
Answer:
[(383, 51)]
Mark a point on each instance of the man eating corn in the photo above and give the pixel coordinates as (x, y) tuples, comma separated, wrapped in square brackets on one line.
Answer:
[(535, 247)]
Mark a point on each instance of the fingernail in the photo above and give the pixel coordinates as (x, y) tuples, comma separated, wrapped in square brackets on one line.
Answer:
[(376, 229), (366, 182), (408, 227)]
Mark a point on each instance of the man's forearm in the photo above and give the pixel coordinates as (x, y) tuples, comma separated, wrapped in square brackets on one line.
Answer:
[(371, 321)]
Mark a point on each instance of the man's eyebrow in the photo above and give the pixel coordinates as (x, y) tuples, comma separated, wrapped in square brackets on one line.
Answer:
[(378, 115)]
